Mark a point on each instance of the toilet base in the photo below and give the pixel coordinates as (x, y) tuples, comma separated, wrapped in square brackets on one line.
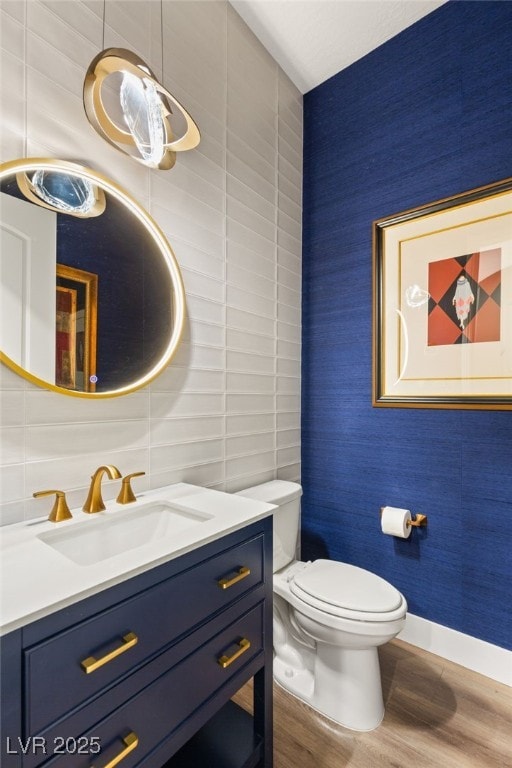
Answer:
[(345, 685)]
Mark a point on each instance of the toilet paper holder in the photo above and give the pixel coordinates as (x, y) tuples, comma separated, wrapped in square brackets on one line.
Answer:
[(417, 521)]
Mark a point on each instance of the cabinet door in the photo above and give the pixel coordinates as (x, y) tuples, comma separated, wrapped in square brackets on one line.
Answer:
[(10, 699), (142, 724), (76, 665)]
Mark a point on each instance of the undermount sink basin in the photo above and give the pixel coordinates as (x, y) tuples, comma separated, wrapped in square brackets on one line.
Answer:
[(105, 536)]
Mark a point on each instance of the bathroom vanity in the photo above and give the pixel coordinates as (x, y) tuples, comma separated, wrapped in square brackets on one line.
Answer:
[(141, 672)]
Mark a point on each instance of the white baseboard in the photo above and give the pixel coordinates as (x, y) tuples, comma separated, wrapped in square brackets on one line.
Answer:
[(470, 652)]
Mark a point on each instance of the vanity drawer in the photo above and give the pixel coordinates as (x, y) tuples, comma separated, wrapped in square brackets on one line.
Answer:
[(153, 715), (112, 644)]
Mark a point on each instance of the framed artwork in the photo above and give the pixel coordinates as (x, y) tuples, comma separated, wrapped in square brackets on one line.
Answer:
[(76, 329), (442, 303)]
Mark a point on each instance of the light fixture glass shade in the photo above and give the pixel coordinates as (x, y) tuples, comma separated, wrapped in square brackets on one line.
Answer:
[(146, 110), (63, 193), (142, 112)]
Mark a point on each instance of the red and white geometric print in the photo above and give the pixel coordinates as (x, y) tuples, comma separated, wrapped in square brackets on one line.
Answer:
[(465, 299)]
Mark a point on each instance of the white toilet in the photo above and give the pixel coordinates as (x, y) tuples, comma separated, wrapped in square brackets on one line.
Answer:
[(329, 619)]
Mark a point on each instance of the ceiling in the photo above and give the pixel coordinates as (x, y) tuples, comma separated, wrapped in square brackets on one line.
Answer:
[(314, 39)]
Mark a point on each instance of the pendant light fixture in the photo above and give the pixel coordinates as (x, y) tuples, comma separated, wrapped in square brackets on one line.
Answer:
[(62, 192), (137, 120)]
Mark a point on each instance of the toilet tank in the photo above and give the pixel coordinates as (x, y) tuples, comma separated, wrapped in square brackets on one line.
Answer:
[(286, 495)]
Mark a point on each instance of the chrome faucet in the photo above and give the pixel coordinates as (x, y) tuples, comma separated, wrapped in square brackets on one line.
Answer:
[(94, 501)]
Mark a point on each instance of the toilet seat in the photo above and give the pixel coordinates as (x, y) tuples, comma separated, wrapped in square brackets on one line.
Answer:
[(346, 591)]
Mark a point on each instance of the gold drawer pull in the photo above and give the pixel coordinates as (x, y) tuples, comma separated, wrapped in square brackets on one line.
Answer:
[(228, 582), (243, 646), (130, 741), (91, 664)]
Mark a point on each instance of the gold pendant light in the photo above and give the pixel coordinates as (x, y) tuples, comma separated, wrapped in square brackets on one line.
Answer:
[(137, 120)]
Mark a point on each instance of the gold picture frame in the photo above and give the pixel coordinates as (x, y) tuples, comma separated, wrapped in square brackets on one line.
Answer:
[(76, 328), (442, 303)]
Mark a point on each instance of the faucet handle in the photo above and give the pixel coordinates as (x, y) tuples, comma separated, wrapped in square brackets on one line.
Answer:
[(126, 494), (60, 510)]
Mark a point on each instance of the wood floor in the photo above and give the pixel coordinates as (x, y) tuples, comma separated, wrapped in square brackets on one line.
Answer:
[(438, 715)]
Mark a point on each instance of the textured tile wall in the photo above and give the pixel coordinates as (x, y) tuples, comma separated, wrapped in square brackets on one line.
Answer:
[(226, 413)]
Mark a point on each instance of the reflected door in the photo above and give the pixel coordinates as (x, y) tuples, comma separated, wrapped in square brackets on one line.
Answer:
[(27, 285)]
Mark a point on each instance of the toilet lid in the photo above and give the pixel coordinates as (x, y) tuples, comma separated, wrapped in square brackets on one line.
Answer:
[(345, 587)]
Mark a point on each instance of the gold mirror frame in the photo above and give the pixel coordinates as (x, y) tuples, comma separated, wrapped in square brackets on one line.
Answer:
[(29, 165)]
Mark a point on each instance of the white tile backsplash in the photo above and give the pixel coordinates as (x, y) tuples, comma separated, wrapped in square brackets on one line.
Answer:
[(289, 314), (248, 281), (262, 246), (289, 243), (290, 189), (176, 379), (177, 430), (12, 408), (249, 424), (211, 474), (12, 482), (12, 35), (245, 361), (287, 367), (287, 276), (249, 321), (241, 256), (288, 350), (78, 16), (288, 332), (288, 438), (50, 408), (251, 125), (202, 333), (245, 173), (186, 454), (286, 421), (288, 385), (247, 196), (252, 462), (12, 445), (289, 207), (205, 311), (249, 403), (191, 258), (226, 411), (253, 303), (65, 35), (195, 356), (248, 444), (165, 405), (250, 342), (288, 403), (250, 382), (65, 440), (248, 217)]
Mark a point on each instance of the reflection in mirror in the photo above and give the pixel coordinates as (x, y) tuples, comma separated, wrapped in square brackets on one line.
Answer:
[(76, 329), (62, 192), (92, 307)]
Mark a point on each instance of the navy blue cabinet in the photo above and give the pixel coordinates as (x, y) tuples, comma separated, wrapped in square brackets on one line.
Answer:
[(142, 674)]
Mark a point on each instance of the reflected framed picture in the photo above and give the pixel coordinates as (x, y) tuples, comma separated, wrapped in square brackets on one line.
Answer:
[(76, 328), (442, 303)]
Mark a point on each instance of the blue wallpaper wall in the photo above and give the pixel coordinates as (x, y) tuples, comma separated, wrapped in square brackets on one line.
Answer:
[(425, 116)]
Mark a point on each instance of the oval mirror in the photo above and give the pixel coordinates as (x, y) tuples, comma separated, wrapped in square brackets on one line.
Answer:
[(92, 301)]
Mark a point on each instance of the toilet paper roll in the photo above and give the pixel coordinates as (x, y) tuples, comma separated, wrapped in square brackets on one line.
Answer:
[(394, 522)]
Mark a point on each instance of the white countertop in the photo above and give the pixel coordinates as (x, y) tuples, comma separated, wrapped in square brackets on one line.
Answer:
[(37, 580)]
